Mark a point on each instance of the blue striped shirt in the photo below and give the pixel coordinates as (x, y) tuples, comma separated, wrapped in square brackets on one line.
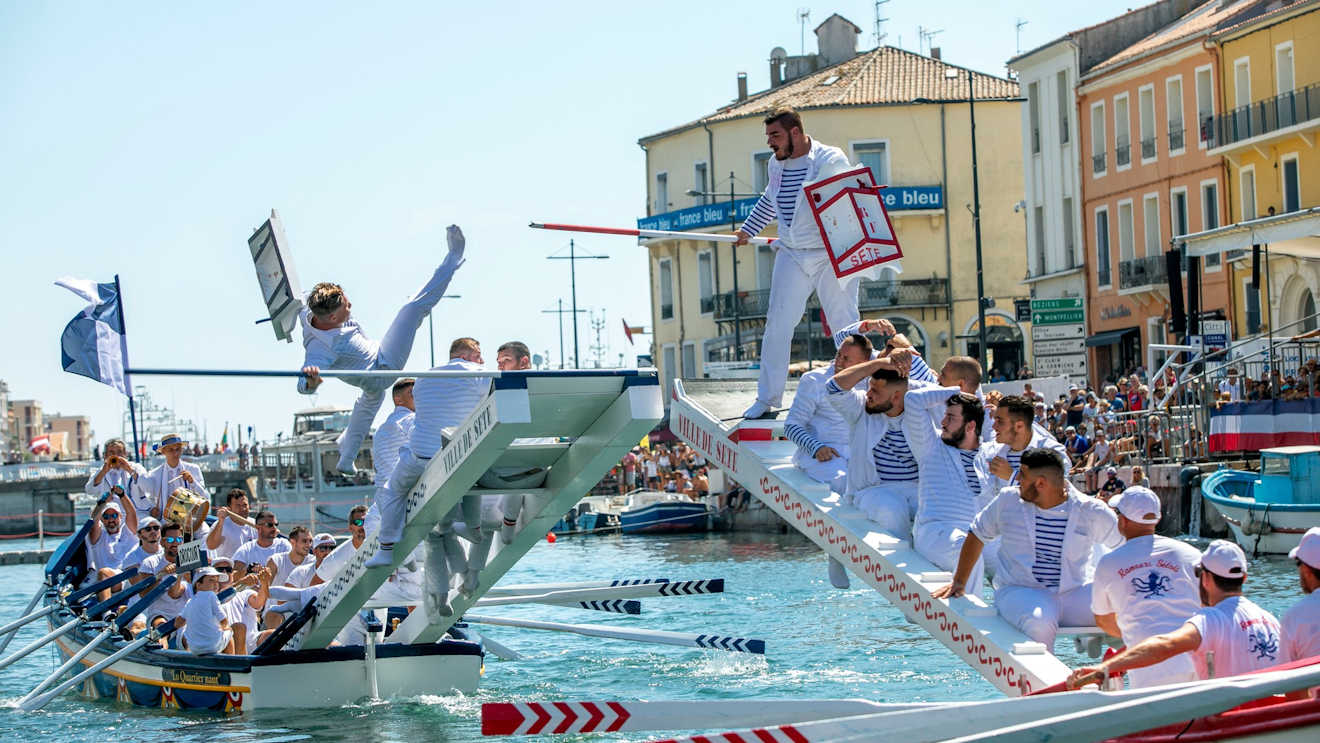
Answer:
[(893, 458), (968, 457), (1049, 546), (1015, 461), (784, 204)]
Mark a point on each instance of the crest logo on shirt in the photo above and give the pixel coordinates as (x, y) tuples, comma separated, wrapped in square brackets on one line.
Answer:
[(1152, 586), (1264, 644)]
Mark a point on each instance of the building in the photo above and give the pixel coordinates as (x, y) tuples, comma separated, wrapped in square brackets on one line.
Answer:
[(904, 115), (1056, 226), (1265, 128), (1151, 179), (28, 422), (77, 432)]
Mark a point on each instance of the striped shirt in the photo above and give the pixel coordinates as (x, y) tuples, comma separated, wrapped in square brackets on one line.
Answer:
[(968, 457), (444, 402), (893, 458), (1015, 461), (784, 203), (389, 438), (1050, 526)]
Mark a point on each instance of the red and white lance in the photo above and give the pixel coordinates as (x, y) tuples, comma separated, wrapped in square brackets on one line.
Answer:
[(627, 232)]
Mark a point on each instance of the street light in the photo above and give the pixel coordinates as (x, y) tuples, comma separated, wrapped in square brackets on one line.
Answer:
[(733, 227), (951, 74)]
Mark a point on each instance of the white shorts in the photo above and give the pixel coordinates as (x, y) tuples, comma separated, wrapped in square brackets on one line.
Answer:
[(219, 645)]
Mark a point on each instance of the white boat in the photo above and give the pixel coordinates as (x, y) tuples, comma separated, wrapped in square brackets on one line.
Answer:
[(299, 480), (1269, 511)]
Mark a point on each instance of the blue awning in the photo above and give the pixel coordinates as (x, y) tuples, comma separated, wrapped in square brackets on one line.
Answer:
[(1109, 337)]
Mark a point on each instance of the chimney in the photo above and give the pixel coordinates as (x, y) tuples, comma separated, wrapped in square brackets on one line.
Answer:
[(742, 86), (777, 58), (934, 52), (836, 40)]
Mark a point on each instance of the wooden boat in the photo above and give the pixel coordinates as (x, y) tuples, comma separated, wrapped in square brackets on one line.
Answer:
[(1270, 510), (653, 512)]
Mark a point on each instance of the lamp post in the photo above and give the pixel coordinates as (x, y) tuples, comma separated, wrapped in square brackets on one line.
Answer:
[(572, 259), (951, 74), (733, 227), (560, 311)]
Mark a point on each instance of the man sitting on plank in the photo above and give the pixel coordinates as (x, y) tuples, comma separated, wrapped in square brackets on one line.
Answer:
[(820, 432), (113, 534), (333, 340), (164, 563), (255, 553)]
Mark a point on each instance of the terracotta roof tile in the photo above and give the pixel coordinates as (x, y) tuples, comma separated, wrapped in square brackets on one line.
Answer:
[(1198, 22)]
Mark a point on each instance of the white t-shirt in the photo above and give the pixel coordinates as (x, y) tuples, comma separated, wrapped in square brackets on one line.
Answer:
[(1231, 387), (111, 549), (165, 605), (1243, 637), (284, 565), (232, 536), (301, 576), (650, 467), (239, 611), (1301, 628), (136, 556), (252, 553), (203, 616)]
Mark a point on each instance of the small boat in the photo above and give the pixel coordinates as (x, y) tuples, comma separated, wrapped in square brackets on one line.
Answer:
[(298, 474), (594, 514), (652, 512), (1270, 510)]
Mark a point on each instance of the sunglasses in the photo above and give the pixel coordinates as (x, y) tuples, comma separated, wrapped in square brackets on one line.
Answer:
[(270, 524), (325, 547), (150, 528), (357, 522), (173, 540), (109, 516), (223, 570)]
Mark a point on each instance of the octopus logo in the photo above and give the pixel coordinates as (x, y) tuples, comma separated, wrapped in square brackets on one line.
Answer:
[(1264, 644), (1152, 586)]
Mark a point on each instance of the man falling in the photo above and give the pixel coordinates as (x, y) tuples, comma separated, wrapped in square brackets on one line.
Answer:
[(333, 340)]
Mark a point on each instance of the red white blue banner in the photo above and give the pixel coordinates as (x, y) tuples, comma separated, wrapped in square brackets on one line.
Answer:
[(1252, 426)]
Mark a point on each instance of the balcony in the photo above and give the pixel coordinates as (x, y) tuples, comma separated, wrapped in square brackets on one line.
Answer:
[(1098, 163), (872, 295), (1139, 273), (1262, 117), (707, 305), (1176, 136), (1148, 148), (1123, 152)]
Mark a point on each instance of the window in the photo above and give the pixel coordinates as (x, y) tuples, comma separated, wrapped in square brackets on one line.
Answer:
[(1178, 212), (1248, 176), (1063, 99), (706, 281), (689, 360), (699, 183), (1146, 116), (670, 364), (1098, 159), (1292, 191), (1242, 81), (1102, 247), (1173, 99), (765, 264), (1126, 250), (1039, 222), (874, 155), (1285, 105), (1210, 217), (1033, 106), (1069, 242), (1150, 216), (1122, 133), (666, 290), (1205, 103), (661, 193), (761, 170)]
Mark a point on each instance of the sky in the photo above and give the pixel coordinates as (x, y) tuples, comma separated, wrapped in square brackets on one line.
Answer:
[(149, 140)]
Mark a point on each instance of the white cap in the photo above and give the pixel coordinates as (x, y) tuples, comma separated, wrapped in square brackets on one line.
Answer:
[(323, 538), (1308, 551), (111, 505), (1224, 559), (205, 571), (1111, 470), (1139, 504), (146, 521)]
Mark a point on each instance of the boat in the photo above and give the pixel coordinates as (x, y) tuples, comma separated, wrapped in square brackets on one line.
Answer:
[(1269, 511), (594, 514), (298, 475), (653, 512)]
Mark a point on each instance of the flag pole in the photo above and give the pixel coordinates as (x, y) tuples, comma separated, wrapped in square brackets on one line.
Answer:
[(128, 382)]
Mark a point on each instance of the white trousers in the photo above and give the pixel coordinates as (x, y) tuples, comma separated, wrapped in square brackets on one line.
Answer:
[(887, 506), (941, 542), (796, 274), (833, 472), (1175, 670), (1039, 612), (395, 348), (392, 497)]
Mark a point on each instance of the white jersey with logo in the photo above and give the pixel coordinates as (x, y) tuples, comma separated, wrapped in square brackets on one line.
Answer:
[(1301, 628), (1243, 637)]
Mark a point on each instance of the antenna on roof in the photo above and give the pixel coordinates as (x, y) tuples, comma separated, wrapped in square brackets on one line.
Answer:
[(1018, 30), (879, 24), (803, 14), (924, 37)]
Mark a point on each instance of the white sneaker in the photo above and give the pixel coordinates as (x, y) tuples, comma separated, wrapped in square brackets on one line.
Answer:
[(508, 530), (383, 558), (838, 575), (454, 237), (757, 410), (347, 467), (437, 605)]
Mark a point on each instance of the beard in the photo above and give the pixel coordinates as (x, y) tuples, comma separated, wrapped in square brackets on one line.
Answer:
[(785, 153), (880, 407), (952, 439)]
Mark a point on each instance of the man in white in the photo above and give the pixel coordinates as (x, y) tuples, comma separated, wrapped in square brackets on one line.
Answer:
[(393, 433), (1048, 530), (255, 554), (1231, 386), (333, 340), (148, 533), (1301, 623), (1239, 635), (110, 539), (802, 263), (205, 625), (164, 563), (950, 472), (820, 432), (117, 475), (156, 486), (245, 606), (441, 403), (1146, 586), (1015, 432), (232, 525)]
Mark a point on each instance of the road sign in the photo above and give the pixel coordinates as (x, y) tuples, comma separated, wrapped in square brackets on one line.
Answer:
[(1055, 317), (1215, 333), (1071, 365), (1057, 332), (1068, 303), (1059, 347), (1022, 310)]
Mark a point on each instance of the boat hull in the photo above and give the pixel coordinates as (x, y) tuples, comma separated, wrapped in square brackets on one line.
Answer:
[(1261, 528), (665, 518)]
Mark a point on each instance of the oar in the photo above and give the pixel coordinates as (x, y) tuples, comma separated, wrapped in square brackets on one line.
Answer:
[(92, 588), (521, 588), (629, 232), (9, 630), (501, 651), (40, 642), (660, 637), (599, 591), (150, 635)]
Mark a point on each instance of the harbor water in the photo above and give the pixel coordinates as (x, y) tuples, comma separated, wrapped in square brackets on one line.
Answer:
[(821, 643)]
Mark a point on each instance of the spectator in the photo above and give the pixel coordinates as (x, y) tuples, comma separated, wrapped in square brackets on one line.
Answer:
[(1117, 403), (1155, 443), (652, 468), (1112, 485), (1075, 444), (629, 481), (1099, 458), (1139, 477), (1076, 406), (1231, 385), (1032, 394)]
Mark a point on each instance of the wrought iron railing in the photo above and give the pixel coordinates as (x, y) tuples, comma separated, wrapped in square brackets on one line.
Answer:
[(1140, 272), (1176, 134), (1147, 148), (1098, 164), (872, 295), (1122, 152), (1262, 117)]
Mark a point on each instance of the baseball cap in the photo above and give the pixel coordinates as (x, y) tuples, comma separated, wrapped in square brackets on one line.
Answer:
[(146, 521), (1139, 504), (1224, 559), (203, 572), (110, 505), (1070, 429), (323, 538), (1308, 551), (1111, 470)]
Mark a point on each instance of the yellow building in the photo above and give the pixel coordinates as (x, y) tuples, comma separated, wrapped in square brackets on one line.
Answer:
[(904, 115), (1266, 128)]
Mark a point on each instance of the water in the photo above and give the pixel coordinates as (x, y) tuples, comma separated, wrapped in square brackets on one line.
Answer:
[(822, 643)]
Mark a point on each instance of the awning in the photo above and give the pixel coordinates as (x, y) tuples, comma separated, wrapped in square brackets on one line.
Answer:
[(1109, 337), (1300, 231)]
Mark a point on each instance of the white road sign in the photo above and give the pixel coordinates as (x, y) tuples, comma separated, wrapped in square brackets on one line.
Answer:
[(1057, 332), (1053, 366), (1058, 347)]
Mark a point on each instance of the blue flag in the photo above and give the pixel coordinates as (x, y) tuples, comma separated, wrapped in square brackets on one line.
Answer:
[(93, 342)]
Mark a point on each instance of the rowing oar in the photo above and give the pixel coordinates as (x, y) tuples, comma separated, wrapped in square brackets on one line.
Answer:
[(531, 718), (715, 585), (660, 637), (572, 595), (501, 651), (11, 629), (629, 232)]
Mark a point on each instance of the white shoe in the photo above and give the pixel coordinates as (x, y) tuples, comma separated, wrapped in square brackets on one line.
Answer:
[(454, 236), (437, 605), (508, 530), (757, 410), (347, 467), (383, 558), (838, 575)]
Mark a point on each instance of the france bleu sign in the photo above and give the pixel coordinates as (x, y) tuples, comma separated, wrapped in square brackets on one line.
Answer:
[(897, 199)]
